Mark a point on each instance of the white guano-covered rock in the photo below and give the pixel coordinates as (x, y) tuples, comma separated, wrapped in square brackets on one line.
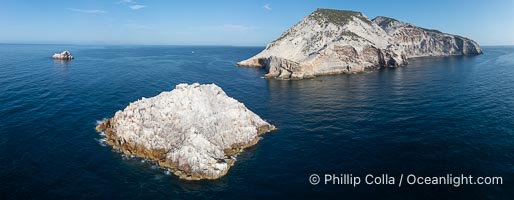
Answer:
[(65, 55), (194, 130)]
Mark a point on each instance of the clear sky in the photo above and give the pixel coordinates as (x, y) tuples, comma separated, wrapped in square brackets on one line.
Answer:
[(230, 22)]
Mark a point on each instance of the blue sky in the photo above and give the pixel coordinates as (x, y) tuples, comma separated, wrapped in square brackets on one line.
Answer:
[(230, 22)]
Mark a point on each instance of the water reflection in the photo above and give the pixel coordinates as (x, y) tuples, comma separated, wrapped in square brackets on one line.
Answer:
[(62, 63), (341, 100)]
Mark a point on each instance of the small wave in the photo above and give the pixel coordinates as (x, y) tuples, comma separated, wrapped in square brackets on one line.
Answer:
[(101, 141), (98, 122)]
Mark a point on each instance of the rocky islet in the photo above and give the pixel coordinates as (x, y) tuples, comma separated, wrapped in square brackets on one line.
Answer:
[(65, 55), (194, 130)]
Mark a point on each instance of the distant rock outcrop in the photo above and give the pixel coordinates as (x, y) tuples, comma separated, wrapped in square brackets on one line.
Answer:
[(195, 130), (65, 55), (336, 41)]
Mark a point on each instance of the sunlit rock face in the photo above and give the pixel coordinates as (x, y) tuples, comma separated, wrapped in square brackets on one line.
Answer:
[(195, 130), (413, 41), (336, 41), (65, 55)]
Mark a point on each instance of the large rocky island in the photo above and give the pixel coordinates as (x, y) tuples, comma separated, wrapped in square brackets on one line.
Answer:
[(195, 130), (336, 41)]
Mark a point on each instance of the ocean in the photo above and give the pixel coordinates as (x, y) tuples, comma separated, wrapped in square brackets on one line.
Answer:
[(432, 118)]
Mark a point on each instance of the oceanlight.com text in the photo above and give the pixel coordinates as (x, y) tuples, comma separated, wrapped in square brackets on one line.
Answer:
[(403, 179)]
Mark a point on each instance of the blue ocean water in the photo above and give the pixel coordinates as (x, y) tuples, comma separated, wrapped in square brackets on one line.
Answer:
[(436, 116)]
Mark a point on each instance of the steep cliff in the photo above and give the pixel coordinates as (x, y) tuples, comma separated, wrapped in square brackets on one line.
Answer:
[(413, 41), (336, 41)]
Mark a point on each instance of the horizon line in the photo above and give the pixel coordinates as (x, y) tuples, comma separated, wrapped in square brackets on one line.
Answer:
[(94, 44), (225, 45)]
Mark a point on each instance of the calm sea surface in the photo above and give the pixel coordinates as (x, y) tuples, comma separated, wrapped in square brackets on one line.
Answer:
[(436, 116)]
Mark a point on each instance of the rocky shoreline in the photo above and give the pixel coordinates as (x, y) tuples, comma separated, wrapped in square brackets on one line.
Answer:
[(159, 155), (190, 154)]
